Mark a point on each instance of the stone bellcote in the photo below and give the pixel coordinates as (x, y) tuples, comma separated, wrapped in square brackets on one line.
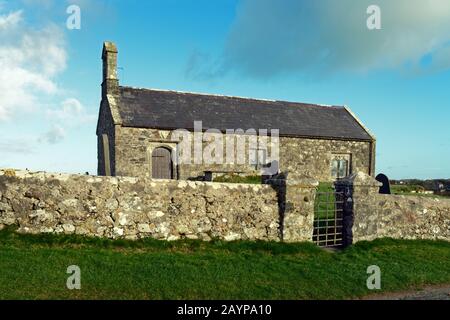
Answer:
[(110, 83)]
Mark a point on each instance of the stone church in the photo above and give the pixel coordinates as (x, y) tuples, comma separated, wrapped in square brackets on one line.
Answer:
[(135, 133)]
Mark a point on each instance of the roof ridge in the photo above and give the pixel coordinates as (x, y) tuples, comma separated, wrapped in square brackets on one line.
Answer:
[(234, 97)]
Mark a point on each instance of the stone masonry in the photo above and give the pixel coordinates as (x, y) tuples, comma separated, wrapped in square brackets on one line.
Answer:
[(401, 217), (133, 208), (131, 150)]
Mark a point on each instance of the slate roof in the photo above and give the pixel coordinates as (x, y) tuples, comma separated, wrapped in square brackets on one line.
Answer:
[(150, 108)]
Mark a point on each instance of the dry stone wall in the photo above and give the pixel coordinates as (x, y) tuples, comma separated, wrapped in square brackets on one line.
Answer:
[(400, 217), (404, 217), (132, 208)]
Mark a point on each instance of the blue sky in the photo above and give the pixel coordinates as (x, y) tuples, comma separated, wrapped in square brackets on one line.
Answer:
[(397, 79)]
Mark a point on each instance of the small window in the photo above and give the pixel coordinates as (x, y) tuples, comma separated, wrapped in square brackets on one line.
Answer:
[(334, 168), (340, 166)]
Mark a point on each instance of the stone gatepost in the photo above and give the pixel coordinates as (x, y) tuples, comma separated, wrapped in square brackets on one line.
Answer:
[(359, 191), (296, 197)]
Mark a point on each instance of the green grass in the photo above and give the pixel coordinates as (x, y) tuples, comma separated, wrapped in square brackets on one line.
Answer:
[(325, 187), (235, 178), (324, 205), (407, 190), (34, 267)]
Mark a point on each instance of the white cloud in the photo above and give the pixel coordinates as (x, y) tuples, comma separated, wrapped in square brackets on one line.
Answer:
[(11, 19), (270, 37), (71, 112), (55, 135), (29, 62)]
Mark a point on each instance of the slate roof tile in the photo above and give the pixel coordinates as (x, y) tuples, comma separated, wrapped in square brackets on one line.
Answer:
[(150, 108)]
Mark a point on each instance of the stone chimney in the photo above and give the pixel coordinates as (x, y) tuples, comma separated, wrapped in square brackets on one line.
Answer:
[(110, 83)]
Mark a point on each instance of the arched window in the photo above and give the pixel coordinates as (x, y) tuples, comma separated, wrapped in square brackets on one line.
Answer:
[(162, 163)]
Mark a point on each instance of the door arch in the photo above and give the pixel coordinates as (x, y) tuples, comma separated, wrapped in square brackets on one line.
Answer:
[(162, 166)]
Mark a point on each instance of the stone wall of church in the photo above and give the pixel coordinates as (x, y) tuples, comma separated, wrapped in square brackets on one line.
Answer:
[(312, 157), (302, 156), (105, 127)]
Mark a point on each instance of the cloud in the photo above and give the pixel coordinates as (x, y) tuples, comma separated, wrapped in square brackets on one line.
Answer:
[(204, 67), (441, 59), (272, 37), (17, 146), (9, 20), (71, 112), (29, 62), (53, 136)]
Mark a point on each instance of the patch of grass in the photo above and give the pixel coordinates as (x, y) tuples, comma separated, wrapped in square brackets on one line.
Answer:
[(34, 267), (412, 190), (405, 188), (324, 205), (235, 178), (325, 187)]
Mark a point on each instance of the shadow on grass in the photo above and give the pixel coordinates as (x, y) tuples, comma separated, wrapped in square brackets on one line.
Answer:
[(10, 237)]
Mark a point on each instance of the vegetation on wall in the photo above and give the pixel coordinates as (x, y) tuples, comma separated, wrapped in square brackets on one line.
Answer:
[(235, 178)]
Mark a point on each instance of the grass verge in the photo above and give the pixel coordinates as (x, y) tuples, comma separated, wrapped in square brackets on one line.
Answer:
[(34, 267)]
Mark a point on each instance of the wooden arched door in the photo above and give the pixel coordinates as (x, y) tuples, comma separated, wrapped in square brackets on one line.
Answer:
[(161, 164)]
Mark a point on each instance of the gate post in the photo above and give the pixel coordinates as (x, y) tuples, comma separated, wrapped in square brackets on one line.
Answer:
[(355, 188), (296, 197), (345, 187)]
